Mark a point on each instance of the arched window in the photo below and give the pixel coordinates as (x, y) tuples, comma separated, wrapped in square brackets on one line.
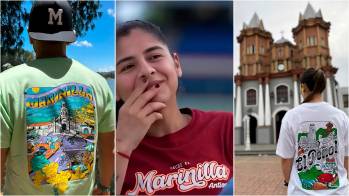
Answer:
[(251, 97), (282, 94)]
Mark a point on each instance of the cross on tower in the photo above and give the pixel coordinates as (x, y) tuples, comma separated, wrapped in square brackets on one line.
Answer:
[(282, 33)]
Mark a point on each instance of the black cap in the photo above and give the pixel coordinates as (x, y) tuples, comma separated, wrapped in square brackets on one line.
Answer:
[(51, 21)]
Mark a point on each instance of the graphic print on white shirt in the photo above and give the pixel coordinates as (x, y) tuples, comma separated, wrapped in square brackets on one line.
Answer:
[(316, 157)]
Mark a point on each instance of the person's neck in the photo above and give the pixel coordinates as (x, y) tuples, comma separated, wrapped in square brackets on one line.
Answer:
[(173, 120), (50, 55), (316, 99), (51, 51)]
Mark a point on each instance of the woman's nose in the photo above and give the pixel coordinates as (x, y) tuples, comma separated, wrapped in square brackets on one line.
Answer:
[(146, 71)]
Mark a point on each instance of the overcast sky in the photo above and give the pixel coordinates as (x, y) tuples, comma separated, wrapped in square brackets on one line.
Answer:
[(280, 16)]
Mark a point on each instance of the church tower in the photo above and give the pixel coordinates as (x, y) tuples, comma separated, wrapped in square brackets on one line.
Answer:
[(311, 37), (255, 43), (282, 54)]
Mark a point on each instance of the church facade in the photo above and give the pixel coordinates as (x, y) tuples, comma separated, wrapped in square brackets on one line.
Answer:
[(267, 85)]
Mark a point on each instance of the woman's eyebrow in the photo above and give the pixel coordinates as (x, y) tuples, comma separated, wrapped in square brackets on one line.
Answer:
[(153, 48), (145, 51), (124, 59)]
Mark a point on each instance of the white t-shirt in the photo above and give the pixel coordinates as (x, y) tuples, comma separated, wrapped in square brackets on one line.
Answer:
[(315, 136)]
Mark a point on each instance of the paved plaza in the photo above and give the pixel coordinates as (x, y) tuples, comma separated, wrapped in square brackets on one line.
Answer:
[(258, 175)]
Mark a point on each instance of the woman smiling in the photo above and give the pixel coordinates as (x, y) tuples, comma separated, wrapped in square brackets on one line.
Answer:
[(160, 148)]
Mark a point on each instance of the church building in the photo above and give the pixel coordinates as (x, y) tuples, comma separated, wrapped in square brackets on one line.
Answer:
[(267, 85)]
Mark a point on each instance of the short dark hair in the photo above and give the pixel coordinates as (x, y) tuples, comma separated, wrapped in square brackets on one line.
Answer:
[(315, 81), (125, 28)]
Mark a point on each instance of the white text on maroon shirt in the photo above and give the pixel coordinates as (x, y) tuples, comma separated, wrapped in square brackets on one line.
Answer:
[(185, 179)]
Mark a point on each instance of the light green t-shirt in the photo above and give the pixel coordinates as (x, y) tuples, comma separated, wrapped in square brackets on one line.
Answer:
[(51, 113)]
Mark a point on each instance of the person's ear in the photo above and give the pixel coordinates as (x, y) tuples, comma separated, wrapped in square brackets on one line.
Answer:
[(177, 64), (304, 88)]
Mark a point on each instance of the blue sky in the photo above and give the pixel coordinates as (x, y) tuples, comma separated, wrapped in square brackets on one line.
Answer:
[(96, 48)]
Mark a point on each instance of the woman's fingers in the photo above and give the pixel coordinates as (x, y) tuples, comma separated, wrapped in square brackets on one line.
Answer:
[(138, 114), (152, 107), (144, 98), (154, 117), (140, 86)]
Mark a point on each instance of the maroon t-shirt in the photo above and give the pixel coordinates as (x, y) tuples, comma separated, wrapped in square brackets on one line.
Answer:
[(197, 159)]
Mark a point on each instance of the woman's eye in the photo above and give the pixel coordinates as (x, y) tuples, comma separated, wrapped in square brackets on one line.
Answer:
[(127, 67), (154, 57)]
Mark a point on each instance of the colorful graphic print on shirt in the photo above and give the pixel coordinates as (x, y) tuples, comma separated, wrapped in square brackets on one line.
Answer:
[(60, 133), (204, 175), (316, 161)]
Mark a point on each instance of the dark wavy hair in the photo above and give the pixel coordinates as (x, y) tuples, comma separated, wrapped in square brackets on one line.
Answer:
[(125, 28), (315, 80)]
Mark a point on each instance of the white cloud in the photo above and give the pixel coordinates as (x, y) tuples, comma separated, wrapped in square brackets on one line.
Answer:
[(106, 68), (111, 12), (83, 43)]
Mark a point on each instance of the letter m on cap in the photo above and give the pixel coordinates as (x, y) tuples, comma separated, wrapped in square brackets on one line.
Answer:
[(55, 16)]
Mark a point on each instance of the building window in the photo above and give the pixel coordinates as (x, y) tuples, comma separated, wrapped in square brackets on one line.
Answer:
[(280, 51), (251, 49), (248, 50), (251, 97), (345, 101), (311, 41), (322, 42), (261, 50), (282, 94)]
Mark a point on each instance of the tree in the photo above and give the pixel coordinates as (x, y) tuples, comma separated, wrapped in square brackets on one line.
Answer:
[(84, 13), (14, 18), (15, 56)]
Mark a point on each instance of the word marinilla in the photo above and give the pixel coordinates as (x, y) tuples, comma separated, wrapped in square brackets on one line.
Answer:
[(307, 160), (54, 97), (185, 179)]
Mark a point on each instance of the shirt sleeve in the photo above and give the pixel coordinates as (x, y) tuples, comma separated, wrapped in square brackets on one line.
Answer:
[(5, 121), (106, 110), (286, 143)]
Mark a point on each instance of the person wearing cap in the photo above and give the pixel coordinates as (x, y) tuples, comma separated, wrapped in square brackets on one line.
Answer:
[(55, 113)]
